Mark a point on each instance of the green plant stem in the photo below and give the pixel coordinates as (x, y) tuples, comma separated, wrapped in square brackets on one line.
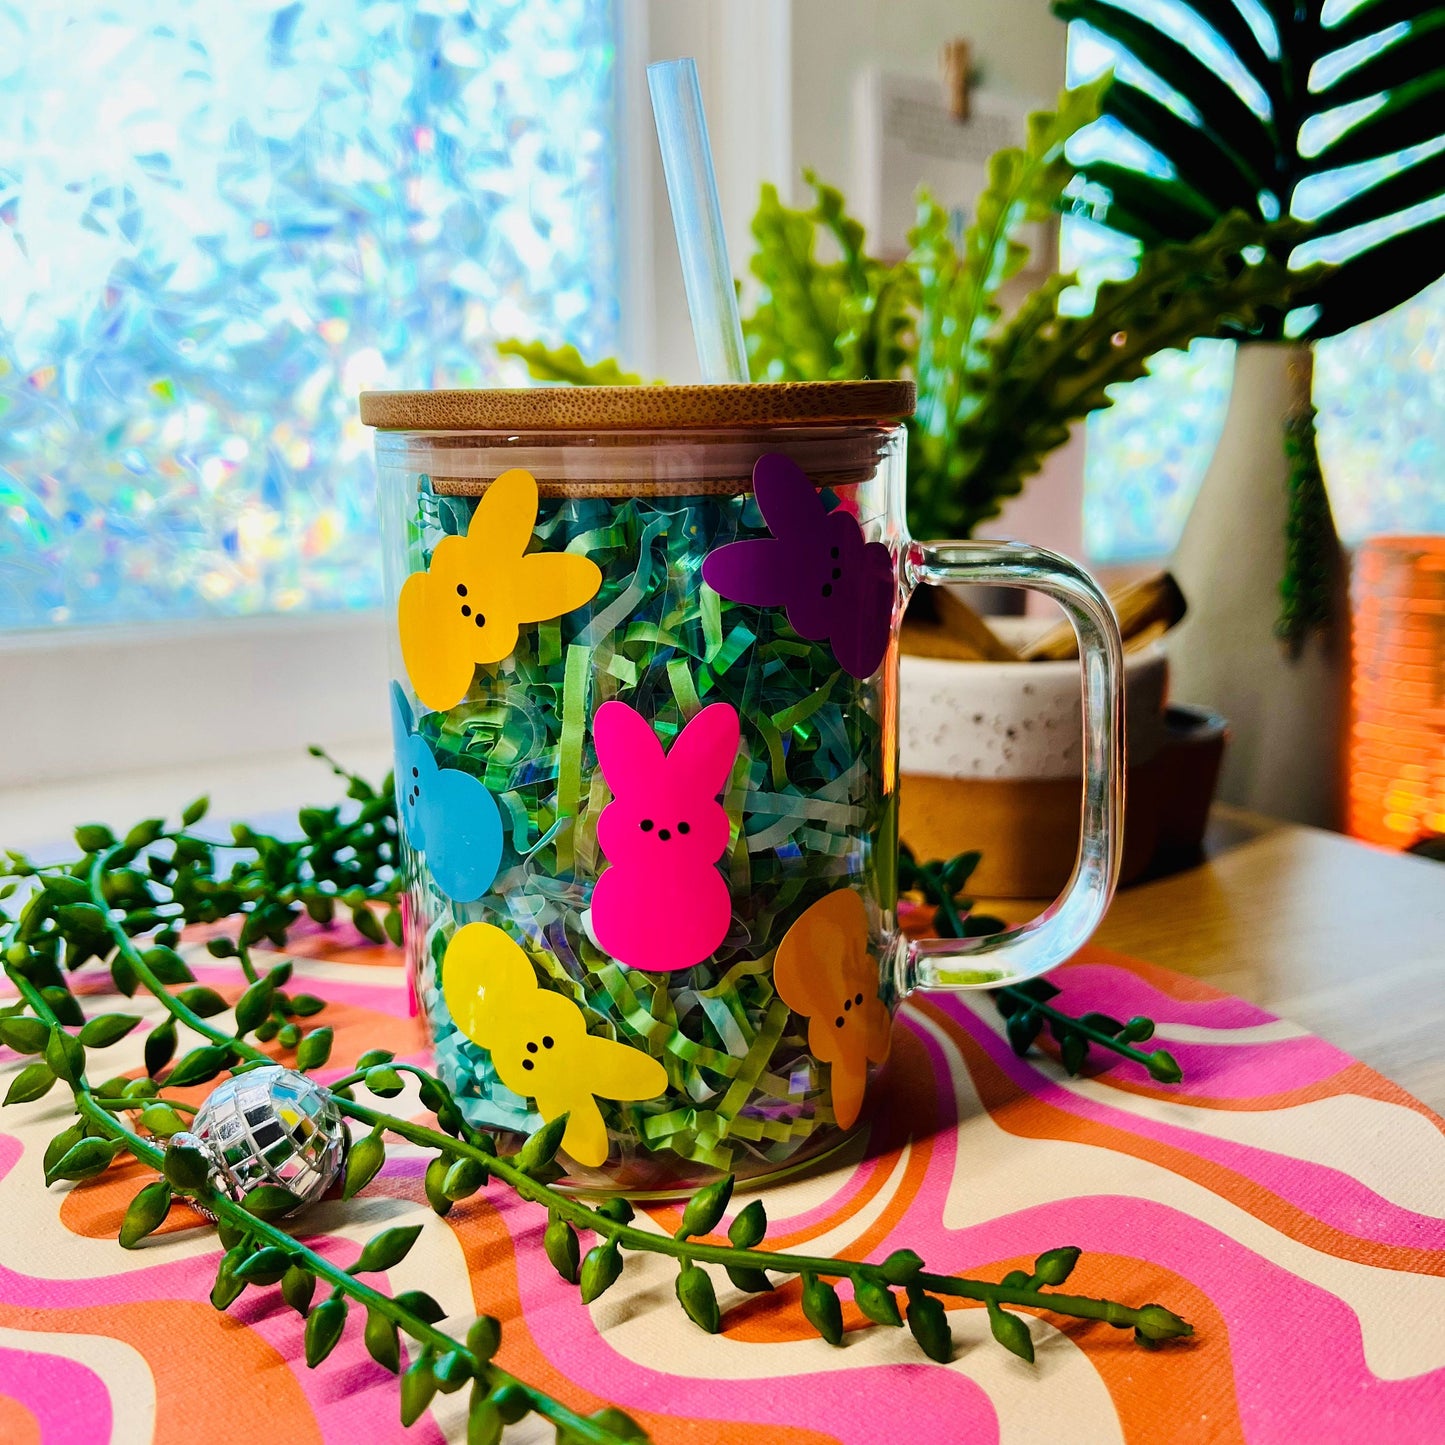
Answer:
[(124, 946), (129, 1105), (222, 1207), (579, 1213), (942, 897), (1094, 1035)]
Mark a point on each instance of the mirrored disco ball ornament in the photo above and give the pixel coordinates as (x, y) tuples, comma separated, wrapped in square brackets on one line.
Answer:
[(270, 1126)]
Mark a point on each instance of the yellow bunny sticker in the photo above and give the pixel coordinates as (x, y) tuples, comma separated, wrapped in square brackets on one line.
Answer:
[(538, 1039), (468, 606)]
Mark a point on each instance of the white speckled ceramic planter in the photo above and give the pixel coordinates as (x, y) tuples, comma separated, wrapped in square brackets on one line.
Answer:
[(990, 756)]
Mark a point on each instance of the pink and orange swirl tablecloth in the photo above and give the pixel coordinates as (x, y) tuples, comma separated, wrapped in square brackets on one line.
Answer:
[(1285, 1198)]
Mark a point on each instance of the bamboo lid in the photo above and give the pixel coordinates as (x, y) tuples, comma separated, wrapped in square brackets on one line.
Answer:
[(641, 408)]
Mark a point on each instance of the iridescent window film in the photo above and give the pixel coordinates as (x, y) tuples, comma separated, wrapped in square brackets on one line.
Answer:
[(219, 221), (1380, 391)]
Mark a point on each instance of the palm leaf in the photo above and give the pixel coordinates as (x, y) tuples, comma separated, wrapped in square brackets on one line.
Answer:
[(1413, 115), (1390, 195), (1381, 277), (1395, 64), (1309, 71), (1217, 171), (1173, 61), (1373, 16)]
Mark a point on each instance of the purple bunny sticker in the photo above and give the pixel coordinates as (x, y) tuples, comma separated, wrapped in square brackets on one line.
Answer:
[(835, 586)]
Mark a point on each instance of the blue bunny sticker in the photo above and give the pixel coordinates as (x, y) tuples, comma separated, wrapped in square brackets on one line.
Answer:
[(446, 814)]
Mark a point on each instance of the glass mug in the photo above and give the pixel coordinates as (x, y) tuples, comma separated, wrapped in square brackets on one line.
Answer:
[(645, 699)]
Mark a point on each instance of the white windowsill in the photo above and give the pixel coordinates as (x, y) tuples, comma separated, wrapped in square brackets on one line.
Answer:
[(99, 703), (261, 788)]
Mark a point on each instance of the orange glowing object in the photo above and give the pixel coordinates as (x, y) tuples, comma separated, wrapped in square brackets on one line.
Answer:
[(1397, 736)]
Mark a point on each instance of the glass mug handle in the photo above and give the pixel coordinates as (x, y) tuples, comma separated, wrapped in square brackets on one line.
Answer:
[(1027, 951)]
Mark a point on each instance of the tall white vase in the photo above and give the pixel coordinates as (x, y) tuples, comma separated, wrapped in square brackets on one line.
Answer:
[(1287, 715)]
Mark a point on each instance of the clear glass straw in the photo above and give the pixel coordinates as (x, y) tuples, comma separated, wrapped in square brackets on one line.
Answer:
[(697, 218)]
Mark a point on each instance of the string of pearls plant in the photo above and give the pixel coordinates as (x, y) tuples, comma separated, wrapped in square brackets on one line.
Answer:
[(124, 903)]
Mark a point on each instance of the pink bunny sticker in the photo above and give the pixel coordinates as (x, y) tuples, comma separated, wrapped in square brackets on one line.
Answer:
[(663, 905)]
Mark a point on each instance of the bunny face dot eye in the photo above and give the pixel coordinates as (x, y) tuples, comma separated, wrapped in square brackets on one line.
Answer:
[(478, 619), (858, 999), (646, 825), (526, 1063), (827, 589), (683, 829), (839, 1021), (833, 552), (462, 587), (547, 1041)]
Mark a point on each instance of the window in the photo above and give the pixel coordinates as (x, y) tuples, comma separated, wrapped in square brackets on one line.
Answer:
[(1379, 390), (219, 221)]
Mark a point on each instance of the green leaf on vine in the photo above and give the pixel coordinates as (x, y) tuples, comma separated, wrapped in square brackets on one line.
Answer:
[(32, 1082), (87, 1159), (199, 1066), (381, 1341), (314, 1050), (160, 1045), (145, 1214), (106, 1029), (705, 1209), (750, 1226), (562, 1249), (298, 1284), (419, 1303), (271, 1201), (187, 1168), (878, 1303), (323, 1329), (253, 1008), (748, 1279), (167, 965), (600, 1268), (161, 1120), (484, 1338), (698, 1299), (24, 1035), (433, 1181), (822, 1309), (541, 1149), (928, 1324), (417, 1389), (901, 1267), (1011, 1332), (384, 1250), (1056, 1265)]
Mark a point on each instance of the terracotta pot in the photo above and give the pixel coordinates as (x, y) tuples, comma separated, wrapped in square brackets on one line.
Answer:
[(990, 758)]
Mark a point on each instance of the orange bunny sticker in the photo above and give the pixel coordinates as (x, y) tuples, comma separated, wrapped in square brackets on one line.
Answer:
[(823, 971), (467, 608), (538, 1039)]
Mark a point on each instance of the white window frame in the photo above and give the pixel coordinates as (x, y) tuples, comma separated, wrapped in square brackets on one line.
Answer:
[(82, 702)]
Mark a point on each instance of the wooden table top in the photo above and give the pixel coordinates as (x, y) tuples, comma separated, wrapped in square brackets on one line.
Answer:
[(1342, 938)]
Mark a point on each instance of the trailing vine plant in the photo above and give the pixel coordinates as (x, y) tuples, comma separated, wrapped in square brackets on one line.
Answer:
[(123, 902), (1025, 1006)]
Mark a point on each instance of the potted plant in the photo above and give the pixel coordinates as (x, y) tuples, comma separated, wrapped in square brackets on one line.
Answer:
[(1331, 113), (997, 389)]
